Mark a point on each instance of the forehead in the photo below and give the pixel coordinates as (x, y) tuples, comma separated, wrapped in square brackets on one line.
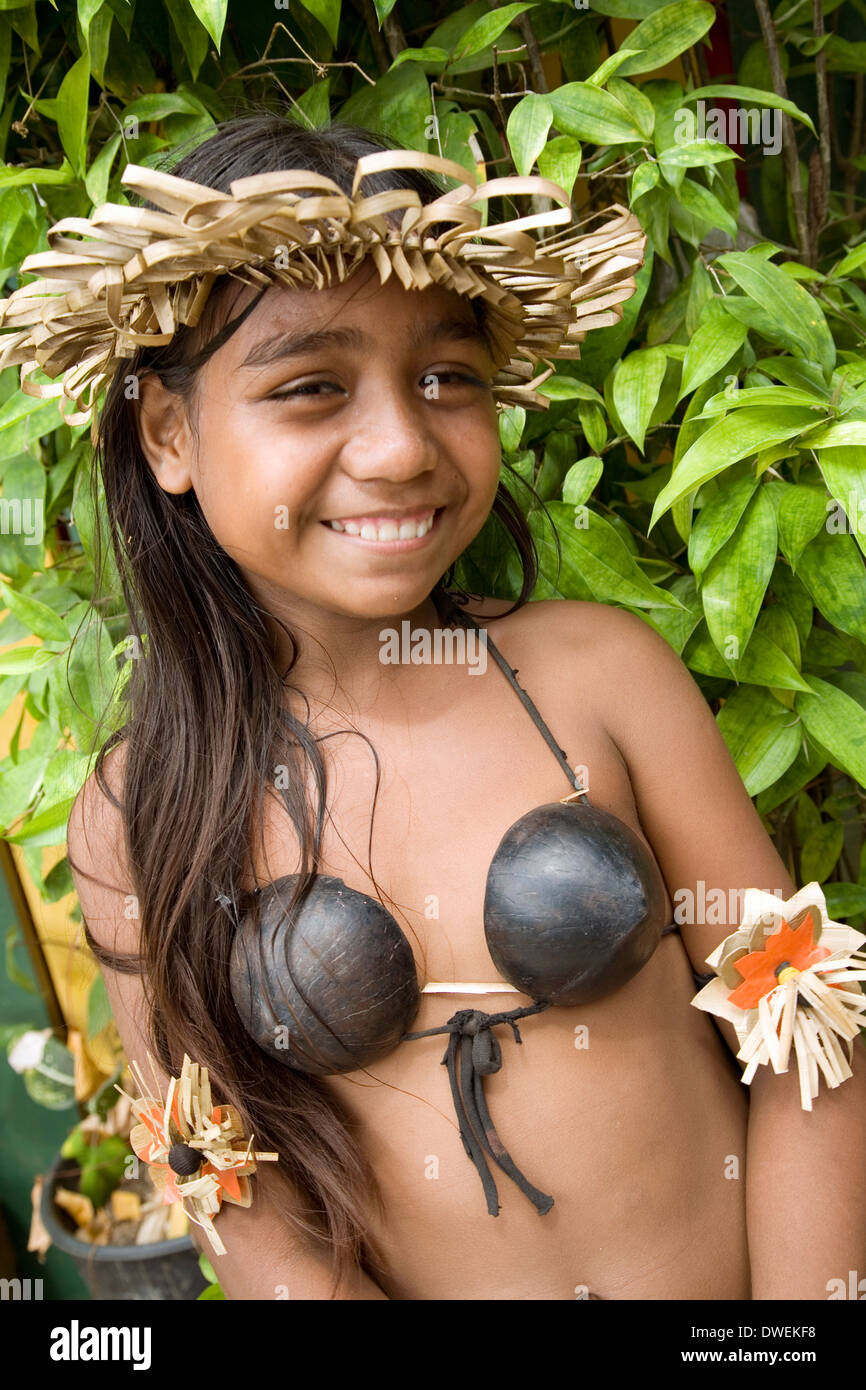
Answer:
[(353, 314)]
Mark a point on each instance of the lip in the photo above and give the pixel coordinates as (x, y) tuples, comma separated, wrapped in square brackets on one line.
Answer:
[(389, 547)]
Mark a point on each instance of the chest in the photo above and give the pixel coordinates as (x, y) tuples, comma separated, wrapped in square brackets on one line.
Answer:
[(456, 768)]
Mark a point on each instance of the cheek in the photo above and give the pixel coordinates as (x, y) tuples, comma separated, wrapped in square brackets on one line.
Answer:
[(251, 481)]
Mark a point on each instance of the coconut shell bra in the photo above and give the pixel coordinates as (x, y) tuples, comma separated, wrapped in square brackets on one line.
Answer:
[(574, 907)]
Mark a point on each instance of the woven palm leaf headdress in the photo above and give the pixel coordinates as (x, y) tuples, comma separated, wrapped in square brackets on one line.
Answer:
[(127, 277)]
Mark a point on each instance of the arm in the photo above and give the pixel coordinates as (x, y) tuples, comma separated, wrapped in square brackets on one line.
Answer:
[(264, 1259), (805, 1203)]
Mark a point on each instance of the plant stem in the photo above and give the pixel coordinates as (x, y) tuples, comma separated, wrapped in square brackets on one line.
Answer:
[(789, 142)]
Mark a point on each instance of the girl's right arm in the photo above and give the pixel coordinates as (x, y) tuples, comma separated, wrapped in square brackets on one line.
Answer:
[(264, 1259)]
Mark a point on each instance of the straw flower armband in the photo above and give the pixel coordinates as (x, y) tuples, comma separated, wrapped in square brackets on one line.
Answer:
[(788, 979), (196, 1151)]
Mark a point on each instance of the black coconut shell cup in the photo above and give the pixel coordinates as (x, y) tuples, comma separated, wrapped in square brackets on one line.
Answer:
[(318, 993), (574, 904)]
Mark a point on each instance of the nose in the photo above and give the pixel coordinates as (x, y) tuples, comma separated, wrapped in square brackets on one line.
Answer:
[(389, 439)]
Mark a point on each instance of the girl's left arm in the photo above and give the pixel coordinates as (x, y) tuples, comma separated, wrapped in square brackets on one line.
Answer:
[(805, 1193)]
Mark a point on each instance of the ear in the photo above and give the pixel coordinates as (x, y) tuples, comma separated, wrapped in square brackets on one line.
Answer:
[(166, 436)]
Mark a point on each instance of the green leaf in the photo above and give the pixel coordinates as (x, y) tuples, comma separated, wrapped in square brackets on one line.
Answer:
[(820, 851), (99, 1013), (430, 54), (511, 423), (845, 900), (705, 206), (711, 347), (212, 14), (677, 625), (527, 128), (832, 569), (487, 29), (39, 619), (593, 422), (762, 735), (845, 477), (645, 178), (802, 512), (853, 261), (560, 161), (604, 561), (99, 173), (753, 96), (72, 111), (736, 578), (666, 33), (20, 660), (567, 388), (580, 480), (692, 154), (838, 723), (739, 434), (636, 385), (628, 9), (589, 113), (762, 663), (792, 309), (638, 108), (842, 434), (194, 38), (717, 520), (765, 395)]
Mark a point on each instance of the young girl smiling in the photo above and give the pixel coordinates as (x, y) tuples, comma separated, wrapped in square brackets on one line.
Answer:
[(299, 471)]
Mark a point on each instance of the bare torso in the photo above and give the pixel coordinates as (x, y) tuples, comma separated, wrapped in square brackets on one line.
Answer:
[(628, 1111)]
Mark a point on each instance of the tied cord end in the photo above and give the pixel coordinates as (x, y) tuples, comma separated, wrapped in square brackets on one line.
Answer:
[(474, 1052)]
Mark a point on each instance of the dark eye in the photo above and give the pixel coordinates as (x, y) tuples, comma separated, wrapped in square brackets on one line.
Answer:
[(466, 378), (306, 389)]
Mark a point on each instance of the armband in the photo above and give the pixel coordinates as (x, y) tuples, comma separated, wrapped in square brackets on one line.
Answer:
[(790, 976), (195, 1150)]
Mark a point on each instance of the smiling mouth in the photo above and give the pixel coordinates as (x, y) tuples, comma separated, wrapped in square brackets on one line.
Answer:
[(390, 529)]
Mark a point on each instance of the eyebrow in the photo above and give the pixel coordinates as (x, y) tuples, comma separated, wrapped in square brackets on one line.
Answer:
[(283, 345)]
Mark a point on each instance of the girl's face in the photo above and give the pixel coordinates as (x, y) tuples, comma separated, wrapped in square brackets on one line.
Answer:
[(348, 446)]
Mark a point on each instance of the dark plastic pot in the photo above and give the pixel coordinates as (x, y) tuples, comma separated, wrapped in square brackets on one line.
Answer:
[(167, 1270)]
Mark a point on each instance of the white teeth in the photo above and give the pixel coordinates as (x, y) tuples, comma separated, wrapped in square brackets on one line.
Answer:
[(386, 530)]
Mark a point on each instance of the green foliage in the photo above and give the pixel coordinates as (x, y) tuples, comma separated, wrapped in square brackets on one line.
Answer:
[(701, 464)]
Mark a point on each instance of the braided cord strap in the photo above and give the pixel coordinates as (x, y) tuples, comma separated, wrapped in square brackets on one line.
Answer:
[(473, 1052)]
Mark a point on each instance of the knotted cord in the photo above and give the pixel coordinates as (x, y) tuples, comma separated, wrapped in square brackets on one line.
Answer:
[(474, 1052)]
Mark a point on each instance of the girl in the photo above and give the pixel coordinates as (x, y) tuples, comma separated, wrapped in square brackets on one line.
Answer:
[(289, 479)]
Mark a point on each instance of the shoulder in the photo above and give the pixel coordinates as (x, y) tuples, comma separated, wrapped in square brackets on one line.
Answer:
[(609, 644)]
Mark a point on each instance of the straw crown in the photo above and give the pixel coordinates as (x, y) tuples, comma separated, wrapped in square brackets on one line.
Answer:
[(142, 272)]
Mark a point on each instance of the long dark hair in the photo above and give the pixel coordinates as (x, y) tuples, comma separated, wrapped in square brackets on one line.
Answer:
[(207, 722)]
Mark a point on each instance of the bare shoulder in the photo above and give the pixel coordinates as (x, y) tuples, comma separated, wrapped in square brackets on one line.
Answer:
[(96, 849), (609, 644)]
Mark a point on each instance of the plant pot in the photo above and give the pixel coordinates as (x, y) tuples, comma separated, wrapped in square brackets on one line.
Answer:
[(167, 1270)]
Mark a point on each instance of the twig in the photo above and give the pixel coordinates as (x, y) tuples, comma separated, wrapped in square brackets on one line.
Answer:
[(789, 139), (394, 36), (370, 19), (821, 199), (532, 49)]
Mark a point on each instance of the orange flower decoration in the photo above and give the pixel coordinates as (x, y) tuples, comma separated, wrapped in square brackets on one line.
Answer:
[(195, 1150), (798, 991), (789, 948)]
